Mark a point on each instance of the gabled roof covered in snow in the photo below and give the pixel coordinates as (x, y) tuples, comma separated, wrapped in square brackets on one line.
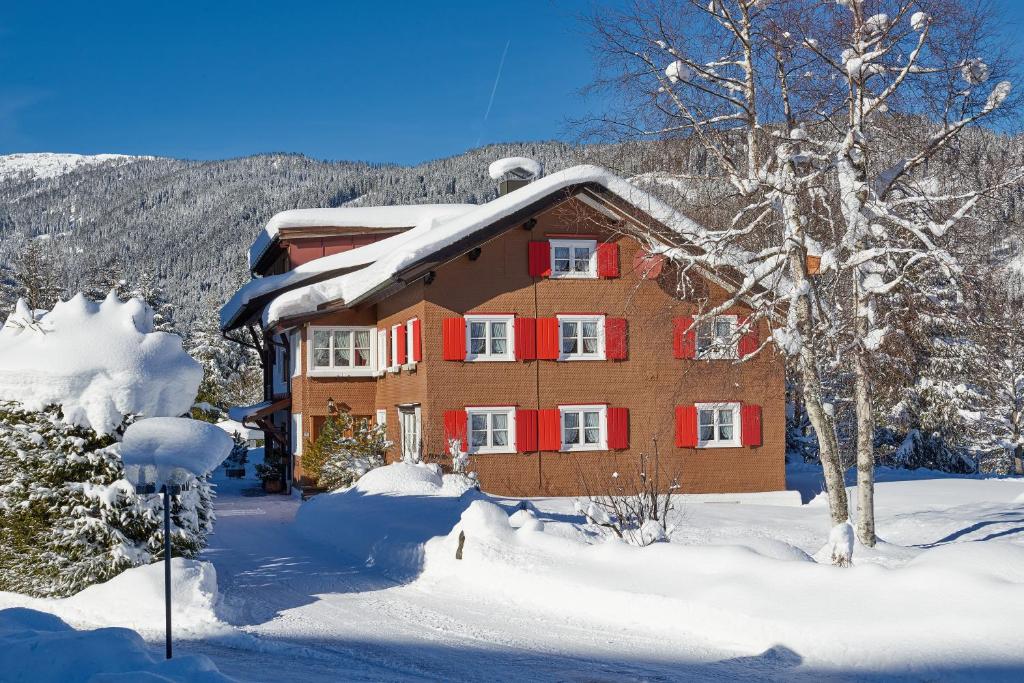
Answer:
[(356, 276), (371, 217)]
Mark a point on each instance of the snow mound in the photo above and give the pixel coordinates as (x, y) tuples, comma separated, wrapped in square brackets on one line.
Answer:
[(170, 449), (402, 478), (41, 648), (42, 165), (499, 168), (385, 519), (135, 599), (99, 362)]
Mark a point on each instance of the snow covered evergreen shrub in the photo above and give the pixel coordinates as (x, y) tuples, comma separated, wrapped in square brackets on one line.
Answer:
[(68, 517), (346, 449)]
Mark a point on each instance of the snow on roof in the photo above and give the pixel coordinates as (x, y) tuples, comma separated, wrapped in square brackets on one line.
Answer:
[(400, 216), (346, 259), (236, 427), (349, 287), (98, 361), (499, 168), (242, 413)]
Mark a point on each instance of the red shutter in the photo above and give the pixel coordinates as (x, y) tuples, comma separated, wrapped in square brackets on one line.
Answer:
[(608, 260), (618, 428), (686, 426), (547, 338), (615, 338), (540, 259), (526, 338), (417, 341), (526, 431), (549, 430), (400, 336), (750, 425), (750, 341), (455, 427), (453, 338), (684, 342)]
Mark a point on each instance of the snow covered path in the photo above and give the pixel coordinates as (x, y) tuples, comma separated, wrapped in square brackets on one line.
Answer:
[(315, 615), (305, 612)]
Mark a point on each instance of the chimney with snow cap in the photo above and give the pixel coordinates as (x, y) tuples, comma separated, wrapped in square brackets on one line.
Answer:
[(514, 172)]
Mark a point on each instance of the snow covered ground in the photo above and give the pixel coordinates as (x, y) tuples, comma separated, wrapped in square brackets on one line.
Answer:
[(536, 597)]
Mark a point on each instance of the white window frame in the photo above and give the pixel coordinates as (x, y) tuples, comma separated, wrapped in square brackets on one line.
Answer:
[(579, 320), (602, 423), (394, 349), (730, 352), (409, 343), (508, 411), (297, 436), (366, 371), (487, 319), (382, 351), (572, 245), (735, 441), (295, 352)]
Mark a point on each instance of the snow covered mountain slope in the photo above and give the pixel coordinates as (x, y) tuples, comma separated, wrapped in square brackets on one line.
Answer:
[(42, 165)]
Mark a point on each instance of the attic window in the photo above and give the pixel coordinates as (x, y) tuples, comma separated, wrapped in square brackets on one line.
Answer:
[(574, 258)]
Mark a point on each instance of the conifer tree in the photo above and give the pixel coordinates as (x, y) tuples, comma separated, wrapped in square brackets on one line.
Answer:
[(345, 449), (68, 517)]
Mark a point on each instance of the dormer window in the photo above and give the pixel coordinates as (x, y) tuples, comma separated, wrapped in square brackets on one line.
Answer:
[(574, 258)]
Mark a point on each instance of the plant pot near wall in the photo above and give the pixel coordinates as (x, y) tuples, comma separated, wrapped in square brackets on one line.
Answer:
[(273, 485)]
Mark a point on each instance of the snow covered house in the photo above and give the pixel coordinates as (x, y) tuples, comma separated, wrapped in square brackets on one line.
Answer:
[(535, 330)]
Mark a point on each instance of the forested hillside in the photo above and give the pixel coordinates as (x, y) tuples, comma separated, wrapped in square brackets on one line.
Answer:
[(189, 223)]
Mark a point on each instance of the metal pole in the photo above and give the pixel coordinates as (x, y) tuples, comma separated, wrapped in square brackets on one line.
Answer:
[(167, 565)]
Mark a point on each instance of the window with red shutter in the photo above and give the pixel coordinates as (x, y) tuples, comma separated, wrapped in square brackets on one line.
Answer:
[(526, 431), (615, 338), (540, 258), (453, 338), (750, 425), (455, 427), (526, 338), (608, 260), (400, 337), (547, 338), (684, 339), (549, 430), (417, 341), (686, 426), (618, 428), (750, 341)]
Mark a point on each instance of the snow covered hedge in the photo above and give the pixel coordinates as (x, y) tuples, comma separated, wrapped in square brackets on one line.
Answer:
[(68, 517)]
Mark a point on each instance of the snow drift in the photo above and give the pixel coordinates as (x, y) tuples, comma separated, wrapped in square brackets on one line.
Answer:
[(98, 361), (385, 519), (957, 602), (40, 648), (135, 599)]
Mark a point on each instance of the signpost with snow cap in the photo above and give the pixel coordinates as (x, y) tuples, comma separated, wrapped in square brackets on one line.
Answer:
[(164, 454)]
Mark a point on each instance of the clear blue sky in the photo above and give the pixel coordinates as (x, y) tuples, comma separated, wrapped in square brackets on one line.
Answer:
[(380, 81)]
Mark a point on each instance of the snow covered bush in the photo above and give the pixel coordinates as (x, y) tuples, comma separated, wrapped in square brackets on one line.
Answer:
[(345, 449), (68, 516)]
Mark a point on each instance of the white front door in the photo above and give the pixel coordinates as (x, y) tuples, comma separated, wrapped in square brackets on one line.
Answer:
[(409, 419)]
